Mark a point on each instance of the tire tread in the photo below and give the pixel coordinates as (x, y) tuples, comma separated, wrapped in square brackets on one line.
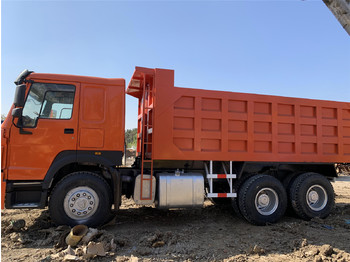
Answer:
[(294, 192)]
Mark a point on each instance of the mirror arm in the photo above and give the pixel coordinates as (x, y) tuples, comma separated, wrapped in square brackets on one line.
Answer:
[(13, 122)]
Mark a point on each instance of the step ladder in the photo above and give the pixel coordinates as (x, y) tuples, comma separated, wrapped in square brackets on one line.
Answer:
[(210, 176), (146, 140)]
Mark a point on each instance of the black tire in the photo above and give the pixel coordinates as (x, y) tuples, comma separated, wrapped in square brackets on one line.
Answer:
[(302, 196), (288, 180), (236, 187), (266, 191), (82, 186), (287, 183)]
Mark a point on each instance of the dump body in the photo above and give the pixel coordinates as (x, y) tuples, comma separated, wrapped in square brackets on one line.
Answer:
[(194, 124)]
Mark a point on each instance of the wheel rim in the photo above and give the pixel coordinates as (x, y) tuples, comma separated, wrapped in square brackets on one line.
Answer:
[(81, 202), (266, 201), (316, 198)]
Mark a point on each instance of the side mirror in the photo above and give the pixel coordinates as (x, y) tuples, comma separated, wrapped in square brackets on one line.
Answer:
[(19, 96), (17, 112)]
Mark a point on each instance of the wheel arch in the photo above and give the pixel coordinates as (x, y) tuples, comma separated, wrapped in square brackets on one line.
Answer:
[(79, 161), (101, 164)]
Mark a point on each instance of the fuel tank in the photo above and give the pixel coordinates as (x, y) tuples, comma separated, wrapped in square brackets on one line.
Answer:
[(180, 190)]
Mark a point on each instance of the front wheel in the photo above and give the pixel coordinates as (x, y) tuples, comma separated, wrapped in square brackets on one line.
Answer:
[(312, 195), (262, 200), (80, 198)]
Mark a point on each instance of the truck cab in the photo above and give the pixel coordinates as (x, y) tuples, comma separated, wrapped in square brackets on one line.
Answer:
[(59, 123)]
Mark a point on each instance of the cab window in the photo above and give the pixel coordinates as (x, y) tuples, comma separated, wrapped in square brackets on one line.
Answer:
[(50, 101)]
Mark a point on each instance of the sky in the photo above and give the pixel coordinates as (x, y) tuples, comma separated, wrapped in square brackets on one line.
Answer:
[(287, 48)]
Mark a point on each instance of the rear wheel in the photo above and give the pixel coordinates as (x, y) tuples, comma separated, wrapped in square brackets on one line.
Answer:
[(311, 195), (81, 198), (262, 200), (287, 183), (236, 187)]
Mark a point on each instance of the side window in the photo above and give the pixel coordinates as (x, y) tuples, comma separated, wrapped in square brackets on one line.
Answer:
[(57, 105), (51, 101)]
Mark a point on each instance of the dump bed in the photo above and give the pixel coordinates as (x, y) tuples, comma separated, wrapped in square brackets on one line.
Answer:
[(194, 124)]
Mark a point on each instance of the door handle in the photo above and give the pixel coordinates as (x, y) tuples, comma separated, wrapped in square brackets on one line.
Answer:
[(69, 131)]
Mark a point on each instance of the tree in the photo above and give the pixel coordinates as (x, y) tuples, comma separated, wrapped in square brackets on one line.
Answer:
[(131, 137)]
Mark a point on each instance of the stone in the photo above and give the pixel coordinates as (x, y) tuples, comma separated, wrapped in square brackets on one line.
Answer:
[(95, 249), (318, 259), (312, 252), (133, 259), (15, 237), (71, 258), (69, 251), (256, 250), (89, 235), (17, 225), (304, 243), (326, 250), (113, 245), (79, 251), (158, 244)]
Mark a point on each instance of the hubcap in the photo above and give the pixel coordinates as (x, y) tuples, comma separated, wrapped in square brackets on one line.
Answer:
[(266, 201), (81, 202), (316, 198)]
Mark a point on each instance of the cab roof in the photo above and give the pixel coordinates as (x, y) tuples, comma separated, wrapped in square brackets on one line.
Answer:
[(76, 78)]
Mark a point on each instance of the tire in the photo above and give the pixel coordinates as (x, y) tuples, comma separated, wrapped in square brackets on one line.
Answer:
[(236, 187), (288, 180), (287, 183), (312, 195), (81, 198), (262, 200)]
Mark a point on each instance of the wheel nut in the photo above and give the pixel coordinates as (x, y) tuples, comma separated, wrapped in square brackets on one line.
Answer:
[(89, 208), (71, 205), (85, 212), (89, 197), (84, 194), (73, 210), (78, 213), (91, 203), (78, 195), (73, 199)]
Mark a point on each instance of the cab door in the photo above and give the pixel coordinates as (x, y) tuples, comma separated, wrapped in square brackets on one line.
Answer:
[(49, 126)]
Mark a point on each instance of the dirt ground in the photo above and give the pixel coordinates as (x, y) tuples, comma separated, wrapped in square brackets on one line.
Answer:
[(213, 233)]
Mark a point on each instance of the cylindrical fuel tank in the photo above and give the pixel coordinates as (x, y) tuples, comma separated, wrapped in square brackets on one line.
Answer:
[(179, 190)]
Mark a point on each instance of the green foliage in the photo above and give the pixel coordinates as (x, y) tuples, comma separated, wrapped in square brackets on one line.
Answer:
[(131, 137)]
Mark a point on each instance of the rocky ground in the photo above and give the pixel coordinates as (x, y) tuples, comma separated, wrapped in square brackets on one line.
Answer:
[(213, 233)]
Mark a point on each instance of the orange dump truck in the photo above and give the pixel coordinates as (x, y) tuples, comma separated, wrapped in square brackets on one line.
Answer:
[(63, 142)]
